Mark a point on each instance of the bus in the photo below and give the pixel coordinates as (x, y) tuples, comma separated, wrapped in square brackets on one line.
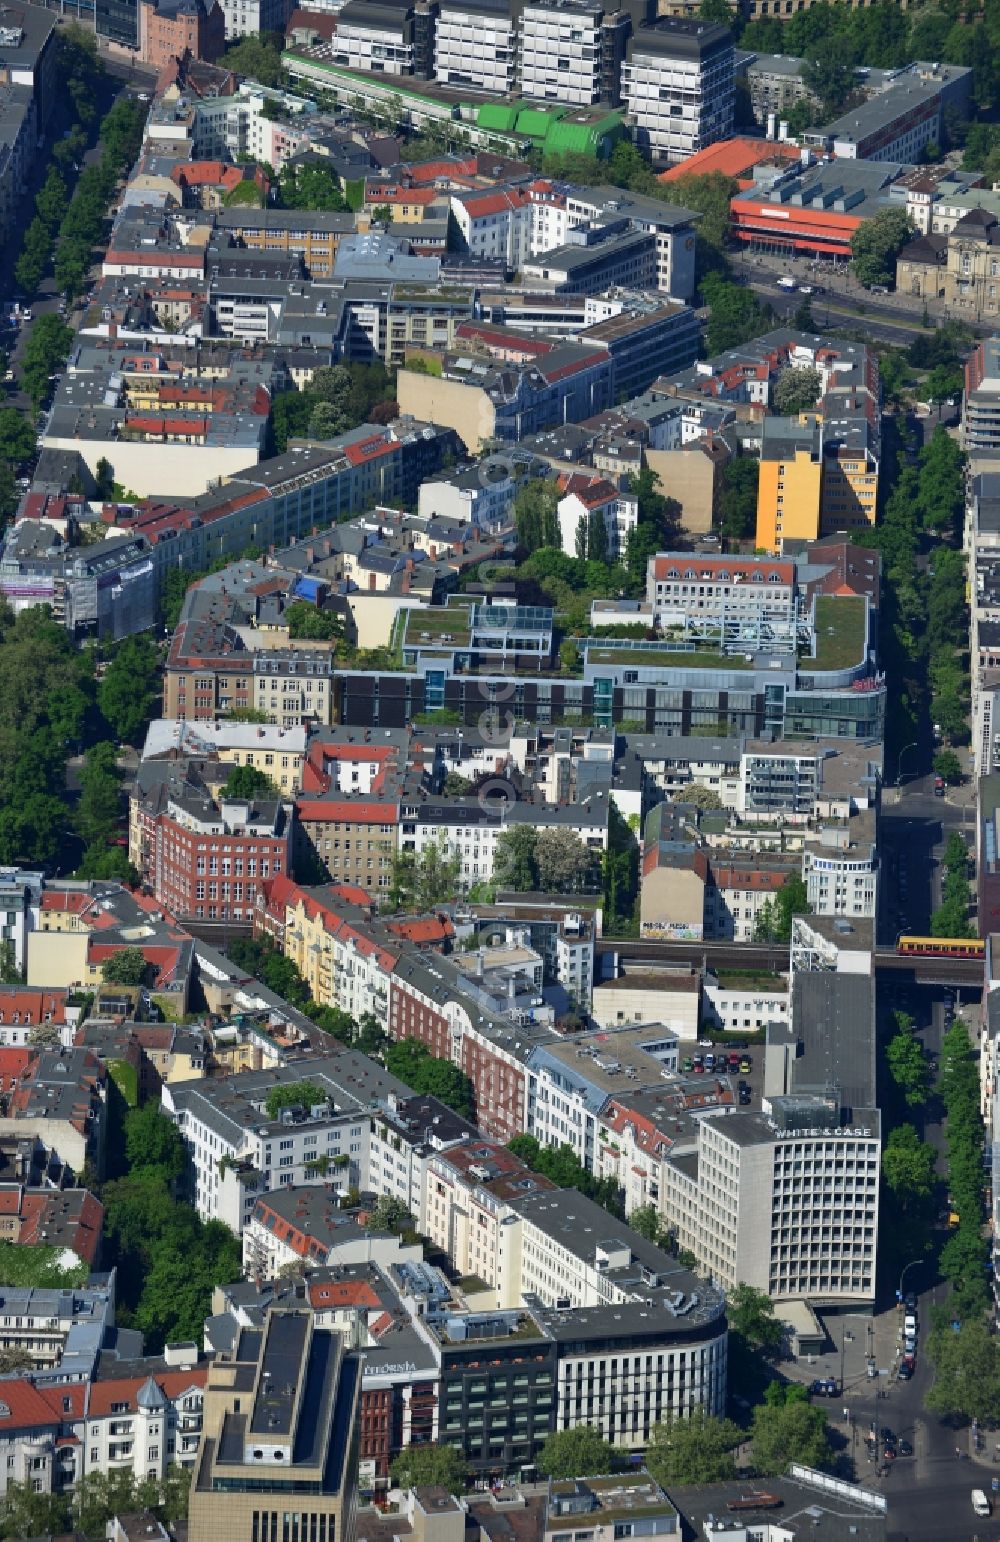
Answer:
[(941, 947)]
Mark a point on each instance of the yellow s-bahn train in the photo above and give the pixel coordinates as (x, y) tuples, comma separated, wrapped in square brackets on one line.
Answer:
[(941, 947)]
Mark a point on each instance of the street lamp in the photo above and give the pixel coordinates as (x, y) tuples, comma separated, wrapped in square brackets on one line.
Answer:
[(906, 1269), (899, 762)]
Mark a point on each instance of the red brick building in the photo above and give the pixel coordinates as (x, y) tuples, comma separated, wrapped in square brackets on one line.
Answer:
[(210, 859), (424, 1006), (169, 28)]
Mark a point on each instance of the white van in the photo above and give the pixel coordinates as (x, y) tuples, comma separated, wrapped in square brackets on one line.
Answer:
[(910, 1324), (980, 1502), (786, 283)]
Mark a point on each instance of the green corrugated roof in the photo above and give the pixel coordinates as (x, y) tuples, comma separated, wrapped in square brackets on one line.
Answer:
[(568, 138), (536, 122), (494, 115)]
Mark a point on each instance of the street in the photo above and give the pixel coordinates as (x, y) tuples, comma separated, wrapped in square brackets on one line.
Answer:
[(837, 299)]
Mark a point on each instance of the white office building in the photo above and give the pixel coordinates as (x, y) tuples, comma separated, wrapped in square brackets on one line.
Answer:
[(677, 83), (476, 46), (561, 52), (786, 1201)]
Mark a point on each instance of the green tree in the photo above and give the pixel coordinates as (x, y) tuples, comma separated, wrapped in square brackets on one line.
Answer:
[(751, 1314), (308, 621), (907, 1063), (248, 782), (389, 1214), (735, 313), (437, 1466), (514, 862), (301, 1094), (793, 1431), (421, 881), (718, 12), (18, 440), (829, 74), (46, 351), (876, 244), (648, 1222), (129, 690), (580, 1452), (621, 873), (564, 863), (738, 498), (255, 58), (773, 921), (908, 1165), (698, 1449), (152, 1141), (23, 1513), (126, 966), (796, 389), (304, 185), (710, 197), (535, 517), (569, 656), (948, 767), (562, 1166), (414, 1064), (966, 1373)]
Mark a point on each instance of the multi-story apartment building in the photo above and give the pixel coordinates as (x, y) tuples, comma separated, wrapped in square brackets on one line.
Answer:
[(238, 1150), (58, 1431), (557, 210), (981, 415), (896, 124), (678, 86), (329, 943), (277, 752), (840, 867), (790, 489), (208, 856), (20, 909), (247, 18), (476, 46), (589, 497), (494, 222), (732, 591), (59, 1104)]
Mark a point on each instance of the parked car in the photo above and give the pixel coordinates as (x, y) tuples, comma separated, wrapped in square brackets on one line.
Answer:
[(709, 1062), (688, 1064), (734, 1060), (910, 1323), (904, 1448), (746, 1064), (905, 1371)]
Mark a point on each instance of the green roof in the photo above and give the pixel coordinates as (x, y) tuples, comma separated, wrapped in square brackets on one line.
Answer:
[(497, 116), (840, 631), (537, 121), (666, 658), (569, 138)]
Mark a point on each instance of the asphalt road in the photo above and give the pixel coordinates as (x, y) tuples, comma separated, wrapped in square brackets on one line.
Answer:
[(912, 835)]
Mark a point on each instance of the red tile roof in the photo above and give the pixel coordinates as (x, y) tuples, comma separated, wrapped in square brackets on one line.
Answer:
[(172, 1384), (32, 1005), (423, 929), (757, 569), (731, 158), (343, 1293)]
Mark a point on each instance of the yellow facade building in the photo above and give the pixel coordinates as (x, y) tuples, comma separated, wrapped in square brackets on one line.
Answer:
[(789, 493), (818, 476)]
